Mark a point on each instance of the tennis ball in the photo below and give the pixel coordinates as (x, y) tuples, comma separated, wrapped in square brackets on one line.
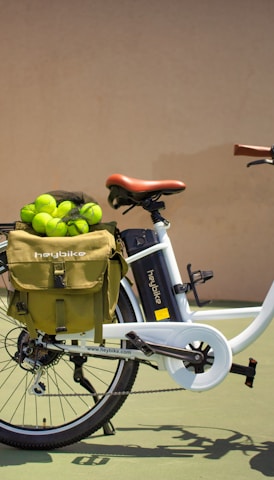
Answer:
[(27, 212), (77, 226), (45, 203), (39, 222), (55, 227), (63, 208), (54, 213), (92, 212)]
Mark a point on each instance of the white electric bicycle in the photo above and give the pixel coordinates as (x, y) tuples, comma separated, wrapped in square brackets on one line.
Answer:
[(59, 389)]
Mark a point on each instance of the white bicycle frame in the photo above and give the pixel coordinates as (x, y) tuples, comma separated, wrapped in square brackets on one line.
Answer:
[(175, 334), (179, 334)]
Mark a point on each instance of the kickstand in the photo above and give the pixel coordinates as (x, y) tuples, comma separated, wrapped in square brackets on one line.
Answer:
[(108, 428), (78, 376)]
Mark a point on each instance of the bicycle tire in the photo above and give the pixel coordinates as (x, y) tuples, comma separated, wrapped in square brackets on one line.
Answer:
[(68, 413)]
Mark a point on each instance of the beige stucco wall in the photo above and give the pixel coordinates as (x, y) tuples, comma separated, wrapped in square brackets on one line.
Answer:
[(152, 89)]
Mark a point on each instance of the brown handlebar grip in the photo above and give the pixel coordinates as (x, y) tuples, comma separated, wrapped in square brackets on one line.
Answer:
[(252, 151)]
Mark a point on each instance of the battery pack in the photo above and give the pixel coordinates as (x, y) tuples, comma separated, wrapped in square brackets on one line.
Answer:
[(151, 276)]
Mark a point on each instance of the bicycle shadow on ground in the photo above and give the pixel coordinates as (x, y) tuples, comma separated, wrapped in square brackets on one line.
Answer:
[(207, 442), (12, 457), (184, 442)]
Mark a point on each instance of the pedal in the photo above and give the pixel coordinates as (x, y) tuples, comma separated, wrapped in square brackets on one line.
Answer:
[(250, 379), (249, 371)]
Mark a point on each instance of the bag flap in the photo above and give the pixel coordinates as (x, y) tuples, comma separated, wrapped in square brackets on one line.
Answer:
[(82, 260)]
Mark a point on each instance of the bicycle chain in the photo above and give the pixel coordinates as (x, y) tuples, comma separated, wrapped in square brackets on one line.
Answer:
[(109, 394)]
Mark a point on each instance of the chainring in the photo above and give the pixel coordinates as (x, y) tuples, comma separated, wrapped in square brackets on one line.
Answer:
[(217, 358)]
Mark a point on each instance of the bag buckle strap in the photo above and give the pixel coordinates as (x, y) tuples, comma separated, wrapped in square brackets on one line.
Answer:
[(59, 274), (60, 316), (21, 308)]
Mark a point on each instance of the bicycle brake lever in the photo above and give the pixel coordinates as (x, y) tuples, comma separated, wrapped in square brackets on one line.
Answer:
[(259, 162)]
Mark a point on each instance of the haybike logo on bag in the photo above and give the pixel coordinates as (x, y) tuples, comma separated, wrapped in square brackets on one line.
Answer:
[(68, 253)]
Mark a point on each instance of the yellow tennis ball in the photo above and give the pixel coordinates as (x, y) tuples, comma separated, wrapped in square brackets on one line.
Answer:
[(92, 212), (39, 222), (27, 212), (45, 203), (64, 208), (77, 227), (55, 227), (54, 213)]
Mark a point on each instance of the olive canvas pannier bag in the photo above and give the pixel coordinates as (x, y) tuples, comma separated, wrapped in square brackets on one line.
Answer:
[(64, 284)]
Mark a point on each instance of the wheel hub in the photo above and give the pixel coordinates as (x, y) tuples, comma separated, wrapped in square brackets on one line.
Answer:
[(27, 353)]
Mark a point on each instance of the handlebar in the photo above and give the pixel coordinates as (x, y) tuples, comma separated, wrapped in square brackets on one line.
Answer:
[(256, 151)]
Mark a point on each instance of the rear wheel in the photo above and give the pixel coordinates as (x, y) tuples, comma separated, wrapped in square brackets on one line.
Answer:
[(50, 399)]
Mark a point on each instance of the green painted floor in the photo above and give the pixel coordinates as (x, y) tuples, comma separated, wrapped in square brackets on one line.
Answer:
[(225, 433)]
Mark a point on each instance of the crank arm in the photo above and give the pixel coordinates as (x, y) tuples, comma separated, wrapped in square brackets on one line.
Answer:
[(191, 356), (148, 348)]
